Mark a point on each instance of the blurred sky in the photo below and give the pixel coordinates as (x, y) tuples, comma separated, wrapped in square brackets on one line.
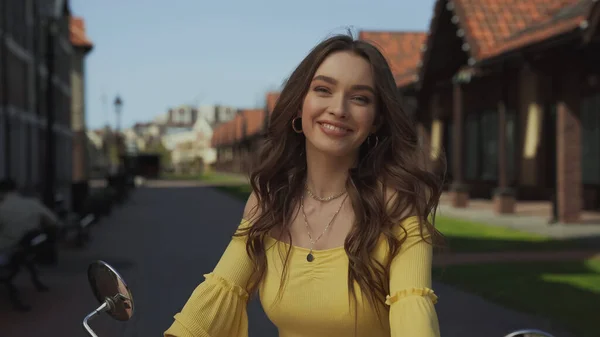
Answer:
[(159, 54)]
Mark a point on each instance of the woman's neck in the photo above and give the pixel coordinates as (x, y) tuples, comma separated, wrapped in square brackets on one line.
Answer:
[(326, 175)]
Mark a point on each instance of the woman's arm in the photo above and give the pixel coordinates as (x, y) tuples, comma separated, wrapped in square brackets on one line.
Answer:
[(411, 299)]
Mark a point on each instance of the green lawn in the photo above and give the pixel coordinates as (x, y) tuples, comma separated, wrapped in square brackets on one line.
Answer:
[(566, 292), (470, 236), (241, 191), (212, 177)]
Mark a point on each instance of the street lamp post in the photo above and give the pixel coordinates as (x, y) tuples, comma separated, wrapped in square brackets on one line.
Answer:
[(118, 106), (50, 11)]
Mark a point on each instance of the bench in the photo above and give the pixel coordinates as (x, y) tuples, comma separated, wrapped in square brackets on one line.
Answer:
[(80, 229), (23, 256)]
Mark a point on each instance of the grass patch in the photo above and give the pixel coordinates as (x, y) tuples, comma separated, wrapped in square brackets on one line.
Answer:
[(565, 292), (210, 177), (469, 236), (468, 229), (241, 191), (176, 176)]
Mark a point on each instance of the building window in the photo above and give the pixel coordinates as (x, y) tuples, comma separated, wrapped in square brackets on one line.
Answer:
[(448, 143), (511, 144), (590, 140), (489, 145), (3, 159), (15, 149), (481, 145), (35, 154), (472, 144)]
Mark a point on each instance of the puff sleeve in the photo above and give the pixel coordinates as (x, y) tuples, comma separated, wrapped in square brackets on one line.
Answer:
[(411, 299), (217, 307)]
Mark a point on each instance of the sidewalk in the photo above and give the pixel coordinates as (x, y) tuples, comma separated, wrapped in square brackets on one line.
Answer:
[(529, 217), (500, 257)]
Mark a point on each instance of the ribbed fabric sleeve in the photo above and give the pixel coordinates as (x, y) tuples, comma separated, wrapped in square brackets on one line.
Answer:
[(217, 307), (411, 300)]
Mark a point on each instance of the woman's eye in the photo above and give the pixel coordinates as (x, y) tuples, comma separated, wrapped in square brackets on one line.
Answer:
[(362, 99), (322, 90)]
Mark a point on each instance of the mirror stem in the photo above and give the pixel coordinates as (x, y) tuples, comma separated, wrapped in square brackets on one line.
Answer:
[(102, 308)]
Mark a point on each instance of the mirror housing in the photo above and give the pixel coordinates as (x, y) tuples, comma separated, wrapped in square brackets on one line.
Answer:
[(529, 333), (109, 287)]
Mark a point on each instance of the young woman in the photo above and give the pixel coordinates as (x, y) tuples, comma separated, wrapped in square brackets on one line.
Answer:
[(337, 237)]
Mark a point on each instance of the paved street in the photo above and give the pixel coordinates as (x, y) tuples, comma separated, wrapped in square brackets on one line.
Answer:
[(162, 242)]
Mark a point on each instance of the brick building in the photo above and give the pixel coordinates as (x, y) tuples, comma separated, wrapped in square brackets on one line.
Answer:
[(510, 94), (237, 139), (25, 98), (81, 158)]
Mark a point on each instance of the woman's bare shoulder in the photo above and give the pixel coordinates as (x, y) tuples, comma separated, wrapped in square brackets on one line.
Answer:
[(251, 210), (395, 204)]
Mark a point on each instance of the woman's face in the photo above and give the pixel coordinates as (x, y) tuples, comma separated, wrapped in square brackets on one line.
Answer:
[(338, 112)]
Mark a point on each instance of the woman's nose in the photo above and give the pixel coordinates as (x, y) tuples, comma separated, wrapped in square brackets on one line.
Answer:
[(338, 107)]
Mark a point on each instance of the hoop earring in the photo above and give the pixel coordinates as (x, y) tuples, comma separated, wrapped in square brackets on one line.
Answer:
[(294, 126), (376, 140)]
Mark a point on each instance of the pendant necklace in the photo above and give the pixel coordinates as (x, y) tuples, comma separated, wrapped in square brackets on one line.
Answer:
[(310, 257)]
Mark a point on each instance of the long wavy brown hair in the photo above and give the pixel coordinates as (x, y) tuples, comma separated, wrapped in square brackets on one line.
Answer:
[(397, 163)]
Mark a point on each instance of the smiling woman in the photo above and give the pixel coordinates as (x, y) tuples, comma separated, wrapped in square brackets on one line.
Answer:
[(335, 234)]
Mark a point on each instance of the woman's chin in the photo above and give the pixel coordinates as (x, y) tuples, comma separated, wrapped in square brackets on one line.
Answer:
[(336, 150)]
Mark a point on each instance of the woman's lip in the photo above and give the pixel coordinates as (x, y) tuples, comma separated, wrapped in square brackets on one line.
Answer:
[(336, 125), (334, 132)]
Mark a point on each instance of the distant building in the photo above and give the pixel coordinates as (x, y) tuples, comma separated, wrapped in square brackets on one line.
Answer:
[(191, 149), (217, 114), (97, 153), (237, 141), (81, 47)]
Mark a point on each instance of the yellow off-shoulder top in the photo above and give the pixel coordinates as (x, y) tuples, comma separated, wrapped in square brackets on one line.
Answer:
[(315, 299)]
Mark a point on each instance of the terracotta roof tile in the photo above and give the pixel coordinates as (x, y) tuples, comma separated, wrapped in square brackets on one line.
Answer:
[(239, 128), (560, 19), (495, 26), (223, 135), (78, 36), (215, 137), (231, 127), (402, 51), (271, 101), (254, 121), (594, 21)]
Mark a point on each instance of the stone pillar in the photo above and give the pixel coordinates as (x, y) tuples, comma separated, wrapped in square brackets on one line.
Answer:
[(436, 135), (235, 163), (568, 147), (80, 163), (459, 193), (504, 199)]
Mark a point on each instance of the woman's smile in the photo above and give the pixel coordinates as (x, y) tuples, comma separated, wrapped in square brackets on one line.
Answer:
[(334, 130)]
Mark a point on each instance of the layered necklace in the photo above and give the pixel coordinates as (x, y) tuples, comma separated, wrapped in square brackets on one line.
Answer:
[(310, 257)]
